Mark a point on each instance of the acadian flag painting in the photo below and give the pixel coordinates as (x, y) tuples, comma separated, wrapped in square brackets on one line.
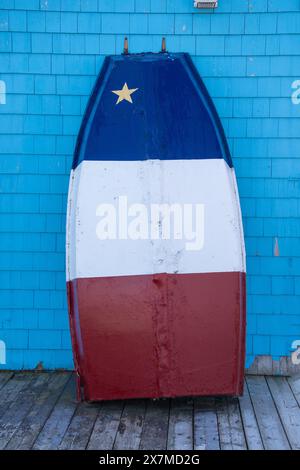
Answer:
[(155, 248)]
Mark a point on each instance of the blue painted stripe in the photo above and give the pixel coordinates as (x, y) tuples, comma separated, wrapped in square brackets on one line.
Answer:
[(171, 115)]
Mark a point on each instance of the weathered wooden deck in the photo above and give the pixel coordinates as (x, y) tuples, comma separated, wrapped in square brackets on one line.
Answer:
[(39, 411)]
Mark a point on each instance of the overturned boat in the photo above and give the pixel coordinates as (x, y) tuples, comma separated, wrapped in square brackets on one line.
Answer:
[(155, 248)]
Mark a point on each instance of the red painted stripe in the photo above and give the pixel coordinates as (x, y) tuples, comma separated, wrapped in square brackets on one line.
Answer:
[(159, 335)]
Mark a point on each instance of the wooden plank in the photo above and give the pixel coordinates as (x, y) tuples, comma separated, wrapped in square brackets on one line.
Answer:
[(230, 424), (18, 409), (251, 429), (155, 429), (5, 376), (27, 433), (294, 383), (271, 429), (206, 433), (180, 435), (288, 409), (131, 424), (56, 425), (106, 426), (80, 428), (11, 389)]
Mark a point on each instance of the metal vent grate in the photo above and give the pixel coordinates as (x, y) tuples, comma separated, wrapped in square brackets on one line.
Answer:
[(205, 4)]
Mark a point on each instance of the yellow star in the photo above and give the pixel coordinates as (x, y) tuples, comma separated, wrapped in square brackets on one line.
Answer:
[(124, 94)]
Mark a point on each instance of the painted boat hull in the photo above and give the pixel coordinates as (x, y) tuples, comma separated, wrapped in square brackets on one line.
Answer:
[(159, 344), (150, 317)]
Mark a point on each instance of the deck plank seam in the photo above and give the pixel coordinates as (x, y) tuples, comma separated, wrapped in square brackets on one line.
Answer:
[(93, 427), (121, 415), (253, 408), (28, 412), (293, 392), (50, 411), (242, 422), (278, 413)]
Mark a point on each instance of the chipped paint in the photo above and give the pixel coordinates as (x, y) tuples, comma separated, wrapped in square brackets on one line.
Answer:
[(267, 365), (276, 247)]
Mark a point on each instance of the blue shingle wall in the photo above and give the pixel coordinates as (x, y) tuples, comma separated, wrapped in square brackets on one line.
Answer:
[(247, 52)]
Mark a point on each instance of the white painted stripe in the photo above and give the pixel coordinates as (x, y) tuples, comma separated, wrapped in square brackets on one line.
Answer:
[(208, 182)]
